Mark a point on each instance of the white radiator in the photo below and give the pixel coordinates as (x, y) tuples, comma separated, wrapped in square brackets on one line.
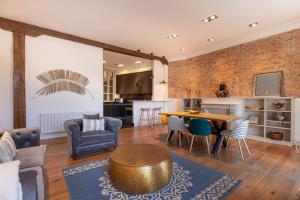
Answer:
[(54, 122)]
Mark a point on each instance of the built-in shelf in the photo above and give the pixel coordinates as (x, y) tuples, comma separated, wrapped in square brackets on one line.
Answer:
[(284, 122), (266, 123), (254, 110), (278, 127), (258, 125), (278, 111)]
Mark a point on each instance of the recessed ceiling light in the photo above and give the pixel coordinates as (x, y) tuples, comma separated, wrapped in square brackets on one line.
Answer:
[(210, 18), (120, 65), (211, 39), (138, 62), (253, 24), (172, 36), (181, 49)]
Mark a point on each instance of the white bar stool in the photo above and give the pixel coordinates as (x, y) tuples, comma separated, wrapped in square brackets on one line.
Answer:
[(155, 115), (145, 117)]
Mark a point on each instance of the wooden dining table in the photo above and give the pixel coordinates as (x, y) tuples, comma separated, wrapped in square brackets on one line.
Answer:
[(219, 122)]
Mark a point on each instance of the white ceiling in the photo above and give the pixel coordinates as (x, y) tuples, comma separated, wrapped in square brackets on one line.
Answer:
[(113, 59), (145, 24)]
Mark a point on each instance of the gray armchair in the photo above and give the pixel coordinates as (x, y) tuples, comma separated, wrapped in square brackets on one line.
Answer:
[(81, 143), (31, 156)]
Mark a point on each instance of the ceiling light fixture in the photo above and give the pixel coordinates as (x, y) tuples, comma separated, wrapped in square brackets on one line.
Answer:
[(172, 36), (209, 19), (138, 62), (211, 39), (120, 65), (181, 49), (163, 82), (253, 25)]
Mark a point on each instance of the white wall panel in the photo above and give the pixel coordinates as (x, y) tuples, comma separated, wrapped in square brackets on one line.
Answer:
[(6, 80), (47, 53)]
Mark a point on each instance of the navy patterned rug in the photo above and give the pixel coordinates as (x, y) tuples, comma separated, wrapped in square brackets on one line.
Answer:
[(190, 180)]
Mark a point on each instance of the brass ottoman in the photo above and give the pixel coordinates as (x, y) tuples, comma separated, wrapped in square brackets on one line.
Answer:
[(140, 168)]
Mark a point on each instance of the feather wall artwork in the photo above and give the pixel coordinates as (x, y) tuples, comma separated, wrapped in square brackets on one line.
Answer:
[(59, 80)]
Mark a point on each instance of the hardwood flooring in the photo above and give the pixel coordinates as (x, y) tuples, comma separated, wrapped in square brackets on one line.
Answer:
[(271, 172)]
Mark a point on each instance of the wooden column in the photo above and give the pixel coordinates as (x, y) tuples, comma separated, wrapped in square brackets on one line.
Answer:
[(19, 102)]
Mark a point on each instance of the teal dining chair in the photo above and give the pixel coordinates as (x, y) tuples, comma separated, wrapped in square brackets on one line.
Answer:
[(200, 127)]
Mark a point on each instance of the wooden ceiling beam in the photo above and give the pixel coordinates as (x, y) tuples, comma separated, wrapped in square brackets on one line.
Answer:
[(34, 31)]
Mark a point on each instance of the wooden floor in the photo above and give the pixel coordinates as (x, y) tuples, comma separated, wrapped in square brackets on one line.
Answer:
[(271, 172)]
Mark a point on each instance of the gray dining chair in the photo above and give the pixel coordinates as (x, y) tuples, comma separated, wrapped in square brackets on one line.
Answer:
[(175, 124), (238, 133)]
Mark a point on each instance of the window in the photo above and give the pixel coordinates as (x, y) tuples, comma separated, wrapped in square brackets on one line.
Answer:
[(109, 85)]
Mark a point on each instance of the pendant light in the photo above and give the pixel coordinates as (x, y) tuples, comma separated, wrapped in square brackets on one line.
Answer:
[(163, 82)]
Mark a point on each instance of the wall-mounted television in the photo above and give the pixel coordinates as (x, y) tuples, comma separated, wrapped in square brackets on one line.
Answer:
[(268, 84)]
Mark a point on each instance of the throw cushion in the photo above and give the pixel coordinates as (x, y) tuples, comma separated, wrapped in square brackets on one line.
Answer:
[(10, 187), (93, 125), (7, 148), (95, 116)]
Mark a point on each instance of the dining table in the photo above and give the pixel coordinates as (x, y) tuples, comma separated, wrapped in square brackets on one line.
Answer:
[(219, 123)]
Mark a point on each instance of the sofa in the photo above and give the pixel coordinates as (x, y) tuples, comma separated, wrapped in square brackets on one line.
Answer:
[(82, 143), (31, 156)]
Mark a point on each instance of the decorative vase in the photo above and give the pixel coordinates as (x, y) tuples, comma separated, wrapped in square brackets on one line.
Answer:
[(222, 92)]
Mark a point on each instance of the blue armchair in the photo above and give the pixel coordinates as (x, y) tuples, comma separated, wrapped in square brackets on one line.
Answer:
[(81, 143)]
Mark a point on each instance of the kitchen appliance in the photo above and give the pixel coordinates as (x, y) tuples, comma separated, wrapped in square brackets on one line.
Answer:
[(119, 100)]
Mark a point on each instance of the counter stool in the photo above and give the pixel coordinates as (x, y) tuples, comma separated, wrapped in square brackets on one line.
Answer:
[(145, 117), (155, 115)]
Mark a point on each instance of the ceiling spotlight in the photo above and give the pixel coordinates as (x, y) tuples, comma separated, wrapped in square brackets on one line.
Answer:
[(211, 39), (120, 65), (210, 18), (253, 25), (138, 62), (181, 49), (172, 36)]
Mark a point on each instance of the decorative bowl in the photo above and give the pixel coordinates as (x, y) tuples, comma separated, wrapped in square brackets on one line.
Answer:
[(278, 117), (277, 106), (276, 135)]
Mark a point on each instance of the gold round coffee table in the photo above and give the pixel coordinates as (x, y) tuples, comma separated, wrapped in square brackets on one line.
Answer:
[(140, 168)]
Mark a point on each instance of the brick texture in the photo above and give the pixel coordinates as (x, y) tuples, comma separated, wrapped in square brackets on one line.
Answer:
[(236, 67)]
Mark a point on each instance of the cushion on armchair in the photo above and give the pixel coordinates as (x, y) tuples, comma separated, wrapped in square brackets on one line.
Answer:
[(7, 148), (10, 187)]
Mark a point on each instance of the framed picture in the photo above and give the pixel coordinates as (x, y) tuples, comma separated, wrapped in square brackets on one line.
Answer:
[(268, 84)]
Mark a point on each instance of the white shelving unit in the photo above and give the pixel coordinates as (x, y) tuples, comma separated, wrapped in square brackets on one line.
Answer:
[(266, 122)]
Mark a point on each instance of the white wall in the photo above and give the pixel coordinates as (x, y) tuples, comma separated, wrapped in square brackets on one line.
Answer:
[(160, 72), (296, 125), (6, 77), (47, 53)]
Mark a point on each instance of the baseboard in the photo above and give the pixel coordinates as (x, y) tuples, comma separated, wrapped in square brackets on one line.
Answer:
[(53, 135)]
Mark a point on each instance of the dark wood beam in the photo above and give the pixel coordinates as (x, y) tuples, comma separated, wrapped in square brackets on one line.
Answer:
[(34, 31), (19, 102)]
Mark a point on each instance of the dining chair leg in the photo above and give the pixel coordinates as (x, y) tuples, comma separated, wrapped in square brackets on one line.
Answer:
[(246, 146), (188, 138), (220, 146), (192, 141), (227, 139), (169, 133), (239, 143), (179, 135), (208, 145)]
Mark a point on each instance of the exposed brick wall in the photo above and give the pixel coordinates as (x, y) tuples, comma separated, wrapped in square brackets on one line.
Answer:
[(236, 67)]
